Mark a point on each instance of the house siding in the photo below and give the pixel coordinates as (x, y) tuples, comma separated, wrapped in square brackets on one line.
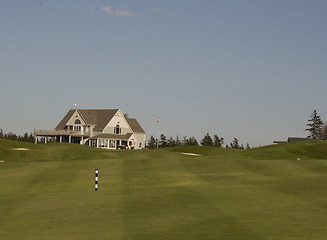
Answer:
[(118, 120), (140, 138)]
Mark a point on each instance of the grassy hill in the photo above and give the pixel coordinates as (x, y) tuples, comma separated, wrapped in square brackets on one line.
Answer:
[(47, 192)]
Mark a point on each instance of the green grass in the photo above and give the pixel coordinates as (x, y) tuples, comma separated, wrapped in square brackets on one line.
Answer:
[(262, 193)]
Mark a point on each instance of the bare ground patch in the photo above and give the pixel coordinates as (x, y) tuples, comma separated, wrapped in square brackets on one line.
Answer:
[(20, 149), (192, 154)]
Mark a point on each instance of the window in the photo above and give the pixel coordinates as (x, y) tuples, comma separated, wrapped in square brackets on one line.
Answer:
[(103, 143), (77, 121), (117, 129), (93, 142), (111, 143), (140, 145)]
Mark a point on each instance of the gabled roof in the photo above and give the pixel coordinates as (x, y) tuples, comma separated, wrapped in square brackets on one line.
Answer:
[(98, 117), (62, 124), (134, 124)]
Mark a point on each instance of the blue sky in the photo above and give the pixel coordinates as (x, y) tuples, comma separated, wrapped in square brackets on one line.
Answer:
[(254, 69)]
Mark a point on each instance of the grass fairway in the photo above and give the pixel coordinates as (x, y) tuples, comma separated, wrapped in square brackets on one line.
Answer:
[(48, 192)]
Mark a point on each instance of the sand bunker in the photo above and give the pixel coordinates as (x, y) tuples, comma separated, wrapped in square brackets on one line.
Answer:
[(192, 154), (1, 161), (20, 149)]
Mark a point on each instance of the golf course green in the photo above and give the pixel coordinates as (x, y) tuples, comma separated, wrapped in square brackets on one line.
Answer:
[(272, 192)]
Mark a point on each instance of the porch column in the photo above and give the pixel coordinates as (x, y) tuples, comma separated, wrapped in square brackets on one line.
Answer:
[(60, 139), (45, 139), (35, 139), (82, 142), (70, 139)]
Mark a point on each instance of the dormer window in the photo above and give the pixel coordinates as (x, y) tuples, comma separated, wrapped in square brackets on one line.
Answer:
[(117, 129)]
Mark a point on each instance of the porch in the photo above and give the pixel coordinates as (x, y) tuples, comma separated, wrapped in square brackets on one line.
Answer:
[(112, 141), (61, 136)]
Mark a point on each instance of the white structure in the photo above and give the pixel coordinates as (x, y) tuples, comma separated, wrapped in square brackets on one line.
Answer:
[(101, 128)]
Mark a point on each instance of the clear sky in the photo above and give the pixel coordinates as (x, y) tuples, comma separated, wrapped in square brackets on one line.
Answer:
[(253, 69)]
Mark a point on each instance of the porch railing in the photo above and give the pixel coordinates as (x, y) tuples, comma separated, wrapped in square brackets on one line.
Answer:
[(61, 133)]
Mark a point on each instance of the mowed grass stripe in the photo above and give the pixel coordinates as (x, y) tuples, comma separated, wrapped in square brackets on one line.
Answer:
[(266, 182), (174, 207), (153, 196), (180, 211), (58, 200), (242, 198)]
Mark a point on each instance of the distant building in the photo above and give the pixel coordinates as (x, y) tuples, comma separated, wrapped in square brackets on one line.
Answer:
[(280, 142), (293, 139), (297, 139), (101, 128)]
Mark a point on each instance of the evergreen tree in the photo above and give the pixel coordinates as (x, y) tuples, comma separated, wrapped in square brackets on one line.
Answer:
[(163, 141), (324, 132), (207, 140), (152, 142), (31, 138), (178, 142), (191, 142), (25, 137), (235, 144), (1, 133), (11, 136), (184, 141), (171, 142), (247, 146), (315, 125), (217, 141)]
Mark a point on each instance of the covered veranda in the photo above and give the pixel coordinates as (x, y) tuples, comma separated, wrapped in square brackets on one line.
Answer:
[(112, 141), (61, 136)]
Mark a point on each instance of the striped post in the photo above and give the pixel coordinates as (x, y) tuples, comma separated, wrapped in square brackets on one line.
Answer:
[(96, 179)]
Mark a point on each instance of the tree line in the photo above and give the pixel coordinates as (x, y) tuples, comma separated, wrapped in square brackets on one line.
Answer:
[(316, 127), (207, 140), (12, 136)]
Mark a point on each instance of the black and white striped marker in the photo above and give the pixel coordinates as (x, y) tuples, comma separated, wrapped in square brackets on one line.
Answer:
[(96, 179)]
